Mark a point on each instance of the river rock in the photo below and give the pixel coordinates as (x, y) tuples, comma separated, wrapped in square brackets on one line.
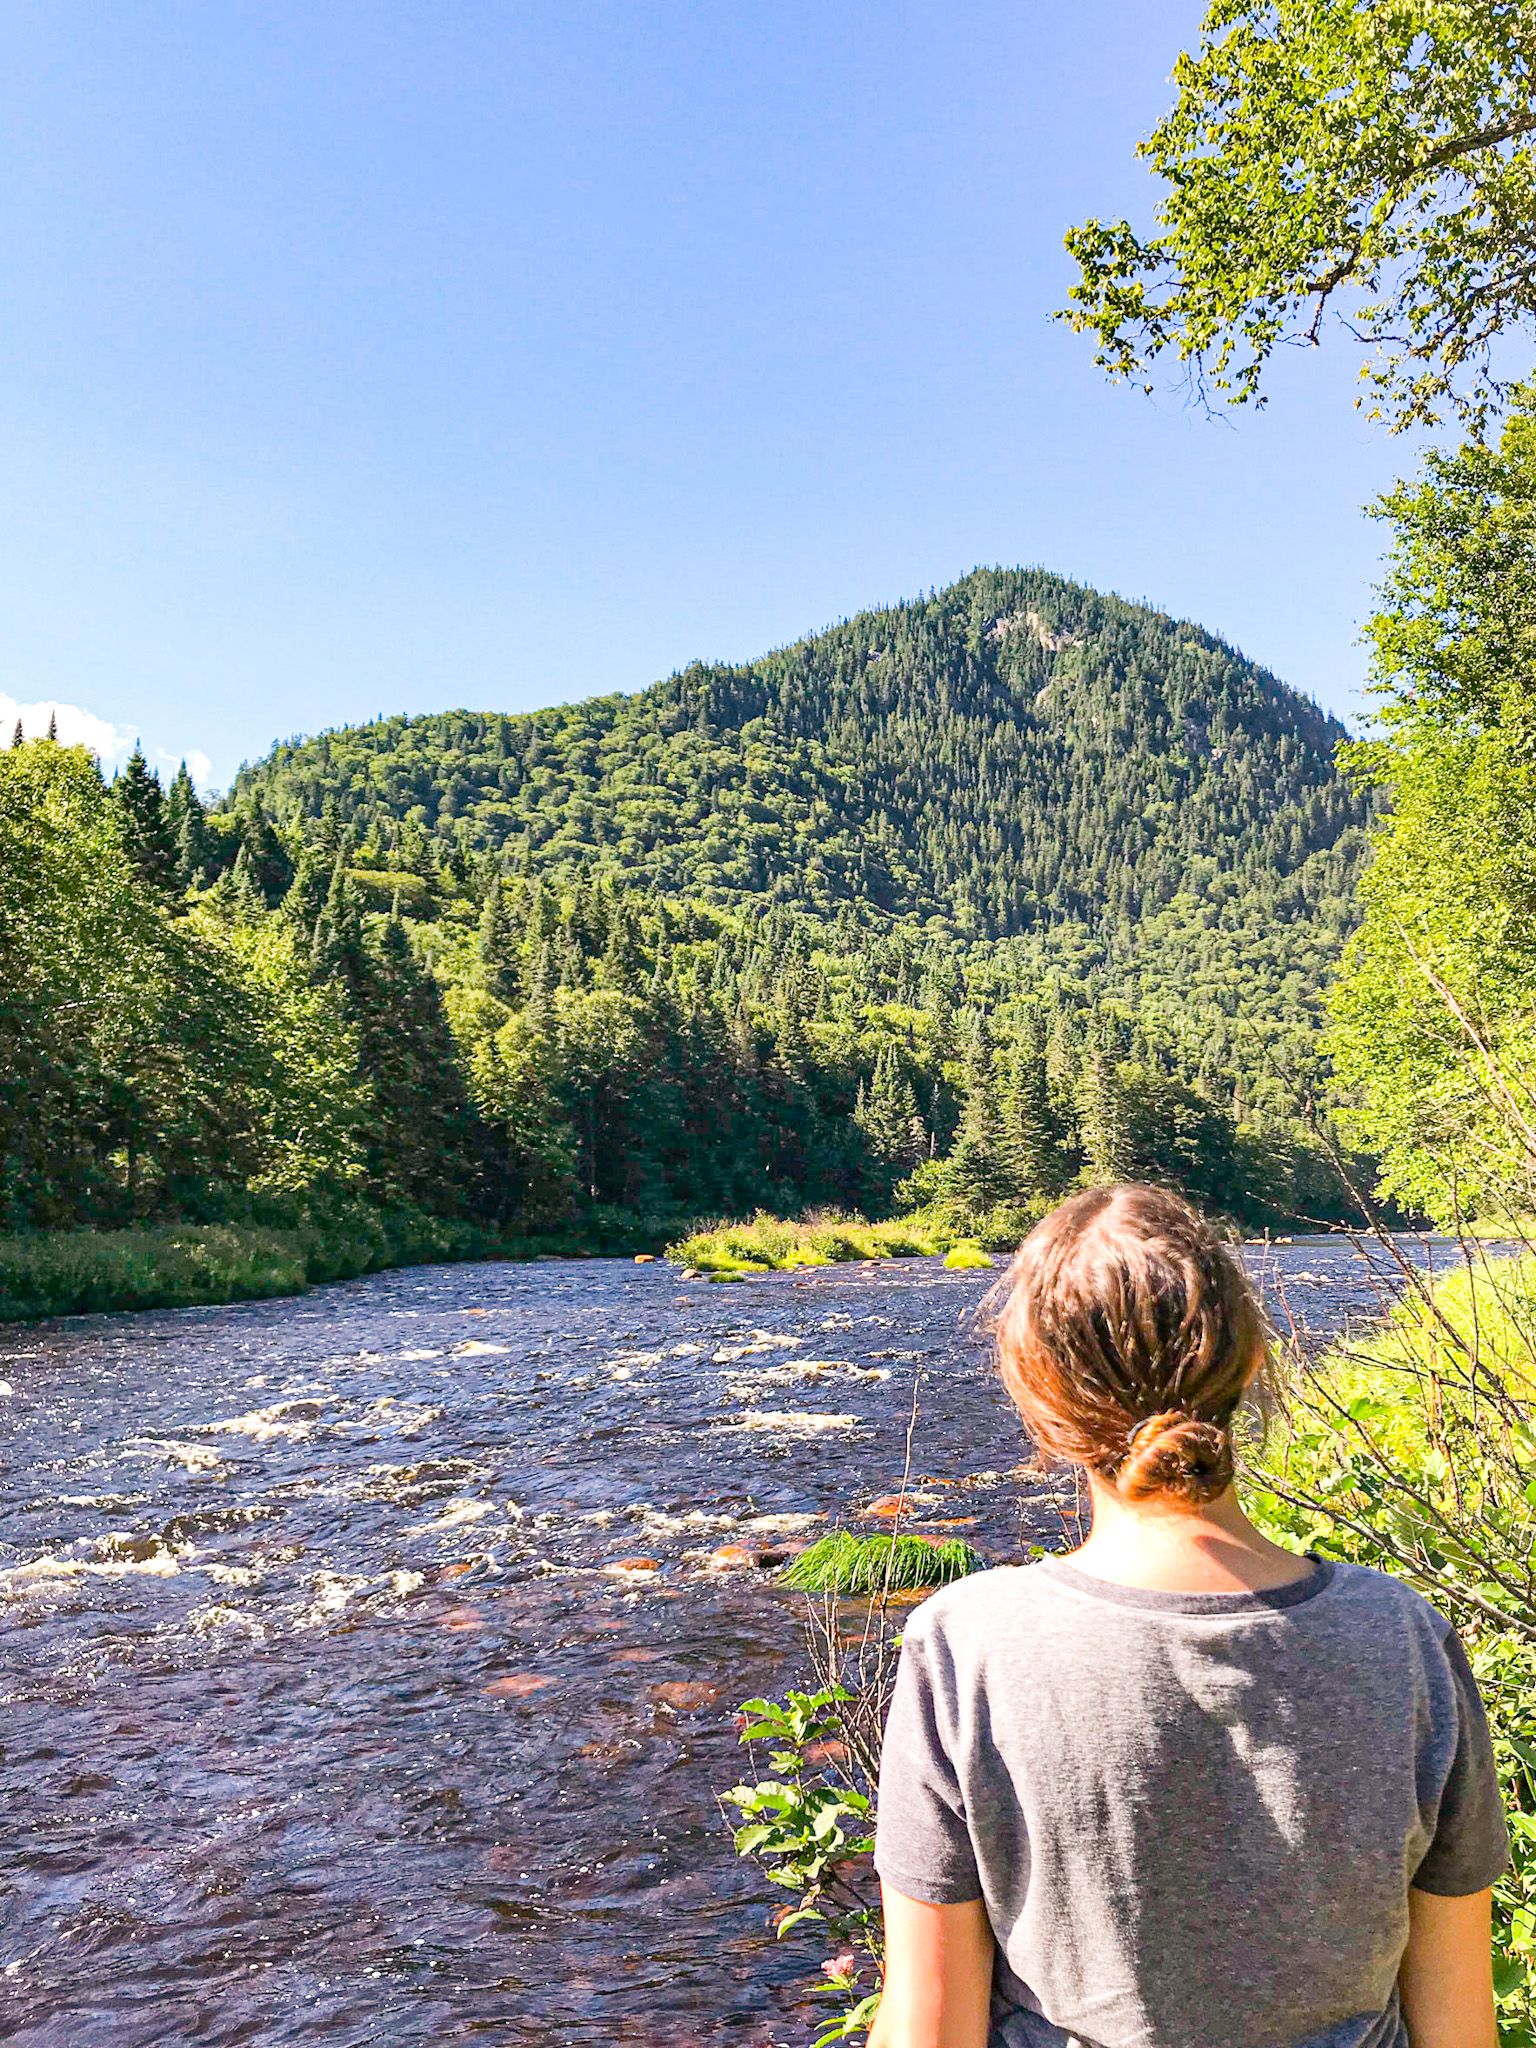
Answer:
[(731, 1557), (686, 1695), (460, 1620), (518, 1684), (890, 1505), (625, 1567)]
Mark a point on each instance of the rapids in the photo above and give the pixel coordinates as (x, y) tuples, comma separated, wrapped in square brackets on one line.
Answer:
[(369, 1667)]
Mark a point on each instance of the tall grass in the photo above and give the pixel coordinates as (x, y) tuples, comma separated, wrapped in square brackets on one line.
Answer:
[(76, 1272), (85, 1272), (872, 1564)]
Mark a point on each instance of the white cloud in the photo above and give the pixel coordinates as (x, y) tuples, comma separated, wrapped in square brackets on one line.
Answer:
[(199, 767), (112, 744), (77, 727)]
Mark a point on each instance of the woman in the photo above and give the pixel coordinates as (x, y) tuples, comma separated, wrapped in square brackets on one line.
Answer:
[(1187, 1789)]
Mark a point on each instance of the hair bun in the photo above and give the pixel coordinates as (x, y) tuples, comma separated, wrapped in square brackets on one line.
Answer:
[(1177, 1453)]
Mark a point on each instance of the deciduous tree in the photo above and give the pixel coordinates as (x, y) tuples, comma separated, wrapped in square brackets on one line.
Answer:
[(1365, 165)]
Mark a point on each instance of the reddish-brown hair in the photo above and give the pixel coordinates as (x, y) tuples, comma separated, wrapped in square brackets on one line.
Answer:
[(1127, 1333)]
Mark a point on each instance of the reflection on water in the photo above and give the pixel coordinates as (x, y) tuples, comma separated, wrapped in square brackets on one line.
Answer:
[(370, 1659)]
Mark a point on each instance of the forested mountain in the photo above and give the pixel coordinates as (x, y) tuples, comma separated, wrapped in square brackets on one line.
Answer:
[(960, 902), (1012, 753)]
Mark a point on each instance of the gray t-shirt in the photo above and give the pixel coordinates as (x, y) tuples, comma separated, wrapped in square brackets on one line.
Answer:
[(1193, 1817)]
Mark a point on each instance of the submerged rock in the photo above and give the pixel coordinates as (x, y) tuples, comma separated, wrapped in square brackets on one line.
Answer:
[(829, 1752), (686, 1695), (460, 1620), (890, 1505)]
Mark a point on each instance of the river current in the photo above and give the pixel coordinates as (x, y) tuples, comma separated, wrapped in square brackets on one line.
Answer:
[(370, 1660)]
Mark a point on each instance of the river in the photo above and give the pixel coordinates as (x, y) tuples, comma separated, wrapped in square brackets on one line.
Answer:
[(337, 1706)]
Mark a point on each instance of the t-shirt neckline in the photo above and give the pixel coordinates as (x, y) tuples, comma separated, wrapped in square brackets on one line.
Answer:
[(1155, 1601)]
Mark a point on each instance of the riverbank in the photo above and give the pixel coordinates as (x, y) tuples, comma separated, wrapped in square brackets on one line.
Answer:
[(94, 1272)]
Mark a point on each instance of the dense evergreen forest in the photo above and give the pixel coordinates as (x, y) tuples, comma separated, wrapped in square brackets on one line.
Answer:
[(955, 903)]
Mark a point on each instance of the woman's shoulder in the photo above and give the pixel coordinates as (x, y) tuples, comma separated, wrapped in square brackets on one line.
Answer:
[(1376, 1606), (1367, 1588), (978, 1610), (969, 1607)]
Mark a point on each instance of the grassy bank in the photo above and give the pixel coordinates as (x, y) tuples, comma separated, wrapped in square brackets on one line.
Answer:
[(84, 1272), (769, 1244)]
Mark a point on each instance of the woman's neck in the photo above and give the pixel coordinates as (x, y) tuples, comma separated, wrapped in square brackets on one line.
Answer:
[(1169, 1547)]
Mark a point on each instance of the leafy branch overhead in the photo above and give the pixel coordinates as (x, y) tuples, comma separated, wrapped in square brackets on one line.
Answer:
[(1365, 161)]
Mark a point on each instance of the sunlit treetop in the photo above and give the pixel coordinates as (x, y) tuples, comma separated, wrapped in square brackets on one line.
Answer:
[(1363, 164)]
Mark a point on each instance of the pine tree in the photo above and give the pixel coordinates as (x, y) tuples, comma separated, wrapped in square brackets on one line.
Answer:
[(313, 875), (426, 1144), (187, 822), (1031, 1137), (623, 961), (540, 1014), (543, 912), (793, 1041), (271, 864), (500, 950), (977, 1174), (53, 725), (336, 950), (745, 1058), (328, 833), (244, 899), (18, 736), (886, 1112), (1108, 1145), (140, 806)]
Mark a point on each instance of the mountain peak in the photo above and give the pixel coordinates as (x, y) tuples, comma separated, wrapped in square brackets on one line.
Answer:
[(1015, 751)]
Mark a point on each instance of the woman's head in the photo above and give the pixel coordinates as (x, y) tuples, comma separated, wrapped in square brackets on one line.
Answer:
[(1127, 1333)]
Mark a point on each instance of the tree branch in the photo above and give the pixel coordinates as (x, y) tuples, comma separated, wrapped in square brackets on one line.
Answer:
[(1468, 145)]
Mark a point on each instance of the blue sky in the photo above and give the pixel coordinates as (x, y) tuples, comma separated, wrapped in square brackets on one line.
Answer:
[(363, 359)]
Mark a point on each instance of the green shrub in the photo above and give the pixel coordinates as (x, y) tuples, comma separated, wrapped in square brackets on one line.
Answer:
[(772, 1244), (1004, 1228), (966, 1258), (1414, 1451), (805, 1823)]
